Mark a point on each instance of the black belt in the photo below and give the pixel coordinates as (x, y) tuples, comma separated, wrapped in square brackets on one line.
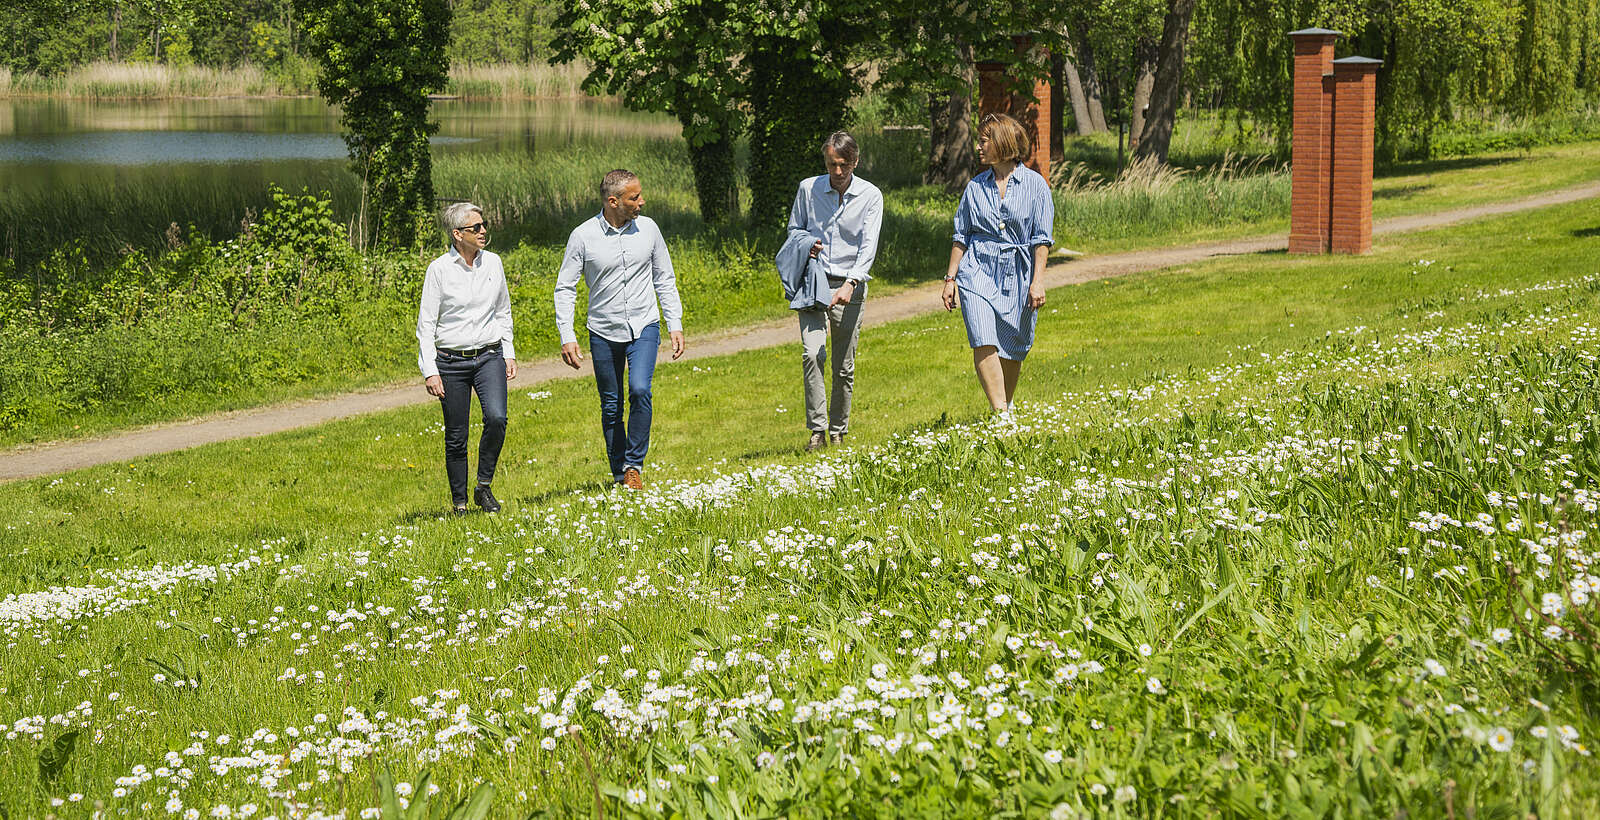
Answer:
[(468, 354)]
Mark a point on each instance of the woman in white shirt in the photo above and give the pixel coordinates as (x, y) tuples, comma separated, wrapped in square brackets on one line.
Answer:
[(464, 345)]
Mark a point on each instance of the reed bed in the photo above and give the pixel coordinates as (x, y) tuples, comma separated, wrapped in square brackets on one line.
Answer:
[(148, 81), (517, 81)]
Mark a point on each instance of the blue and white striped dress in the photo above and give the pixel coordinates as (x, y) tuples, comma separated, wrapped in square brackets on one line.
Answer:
[(997, 268)]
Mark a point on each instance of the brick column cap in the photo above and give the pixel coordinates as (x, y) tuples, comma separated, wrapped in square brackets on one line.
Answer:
[(1357, 64), (1315, 32)]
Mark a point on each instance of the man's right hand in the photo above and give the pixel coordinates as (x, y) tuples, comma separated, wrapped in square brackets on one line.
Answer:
[(435, 386), (572, 355), (816, 248)]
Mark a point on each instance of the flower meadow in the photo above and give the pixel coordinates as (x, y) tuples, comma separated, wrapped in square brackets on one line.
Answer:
[(1350, 578)]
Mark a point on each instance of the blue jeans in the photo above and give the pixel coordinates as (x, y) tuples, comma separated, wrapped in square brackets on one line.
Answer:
[(625, 444), (486, 374)]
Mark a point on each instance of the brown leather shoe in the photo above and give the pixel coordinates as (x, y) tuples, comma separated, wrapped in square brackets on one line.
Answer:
[(836, 439), (631, 479), (818, 441)]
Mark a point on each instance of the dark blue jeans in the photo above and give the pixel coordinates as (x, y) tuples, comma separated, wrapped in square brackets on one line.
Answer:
[(486, 374), (635, 360)]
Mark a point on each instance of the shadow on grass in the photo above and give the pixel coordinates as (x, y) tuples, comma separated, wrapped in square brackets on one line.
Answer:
[(1400, 193), (1587, 233), (1435, 166)]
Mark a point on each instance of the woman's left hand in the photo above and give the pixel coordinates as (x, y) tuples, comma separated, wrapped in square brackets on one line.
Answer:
[(511, 369), (1035, 297)]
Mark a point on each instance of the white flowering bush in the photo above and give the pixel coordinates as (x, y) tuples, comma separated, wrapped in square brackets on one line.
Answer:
[(1352, 578)]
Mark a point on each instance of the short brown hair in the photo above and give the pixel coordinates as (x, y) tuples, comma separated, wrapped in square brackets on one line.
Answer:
[(1007, 139), (615, 181), (843, 145)]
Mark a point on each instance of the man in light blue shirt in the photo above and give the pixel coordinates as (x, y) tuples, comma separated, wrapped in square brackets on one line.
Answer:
[(622, 259), (845, 213)]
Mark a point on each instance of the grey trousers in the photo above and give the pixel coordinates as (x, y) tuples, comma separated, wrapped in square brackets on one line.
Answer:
[(839, 327)]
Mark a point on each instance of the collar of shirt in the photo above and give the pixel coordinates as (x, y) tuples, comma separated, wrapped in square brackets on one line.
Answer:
[(627, 227), (853, 190), (1016, 174), (458, 259)]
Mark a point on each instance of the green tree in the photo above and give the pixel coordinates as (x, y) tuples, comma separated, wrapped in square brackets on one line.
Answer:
[(682, 57), (380, 59), (800, 87)]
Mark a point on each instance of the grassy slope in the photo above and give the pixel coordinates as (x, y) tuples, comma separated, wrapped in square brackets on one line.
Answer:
[(329, 493)]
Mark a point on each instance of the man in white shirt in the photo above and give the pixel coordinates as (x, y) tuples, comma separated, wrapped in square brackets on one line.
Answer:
[(622, 259), (464, 346), (845, 213)]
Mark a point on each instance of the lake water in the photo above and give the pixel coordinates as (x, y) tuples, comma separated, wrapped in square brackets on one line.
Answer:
[(37, 134), (74, 169)]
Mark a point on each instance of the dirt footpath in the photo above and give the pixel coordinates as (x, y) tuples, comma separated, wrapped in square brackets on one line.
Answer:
[(48, 459)]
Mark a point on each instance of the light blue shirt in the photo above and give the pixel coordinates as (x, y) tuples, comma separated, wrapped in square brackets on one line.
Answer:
[(847, 224), (463, 308), (626, 270)]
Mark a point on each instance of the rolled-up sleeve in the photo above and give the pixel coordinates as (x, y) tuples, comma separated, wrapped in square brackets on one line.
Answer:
[(666, 283), (1043, 230), (428, 324), (871, 225), (566, 294), (963, 220)]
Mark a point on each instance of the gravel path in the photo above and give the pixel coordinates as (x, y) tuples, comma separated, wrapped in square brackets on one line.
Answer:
[(47, 459)]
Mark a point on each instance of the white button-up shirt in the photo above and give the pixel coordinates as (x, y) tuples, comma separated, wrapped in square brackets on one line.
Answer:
[(626, 270), (847, 224), (463, 308)]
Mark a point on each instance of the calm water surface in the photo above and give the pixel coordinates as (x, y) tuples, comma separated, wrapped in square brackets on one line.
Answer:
[(77, 165)]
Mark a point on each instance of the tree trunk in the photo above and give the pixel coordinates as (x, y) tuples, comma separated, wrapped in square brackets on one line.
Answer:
[(1058, 107), (714, 178), (116, 25), (1144, 55), (952, 156), (1082, 120), (1157, 137), (1090, 78)]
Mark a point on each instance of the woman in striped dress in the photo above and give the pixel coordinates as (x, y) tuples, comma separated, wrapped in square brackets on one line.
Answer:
[(1003, 232)]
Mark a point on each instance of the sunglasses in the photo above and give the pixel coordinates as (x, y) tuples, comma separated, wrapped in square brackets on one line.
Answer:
[(478, 228)]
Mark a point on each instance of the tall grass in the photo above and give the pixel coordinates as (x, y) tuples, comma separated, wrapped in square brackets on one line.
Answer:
[(517, 81), (144, 81), (147, 81), (1149, 198)]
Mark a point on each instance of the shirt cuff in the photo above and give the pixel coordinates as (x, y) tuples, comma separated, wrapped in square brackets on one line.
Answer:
[(568, 337), (429, 370), (674, 326), (507, 350)]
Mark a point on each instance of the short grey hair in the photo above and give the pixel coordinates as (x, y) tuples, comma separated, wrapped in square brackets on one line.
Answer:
[(615, 181), (455, 214), (841, 143)]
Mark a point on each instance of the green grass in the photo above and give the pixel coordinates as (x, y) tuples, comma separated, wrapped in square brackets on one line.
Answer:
[(1292, 656)]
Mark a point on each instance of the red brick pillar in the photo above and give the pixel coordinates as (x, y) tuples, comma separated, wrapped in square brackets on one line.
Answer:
[(1310, 146), (995, 97), (1355, 94)]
